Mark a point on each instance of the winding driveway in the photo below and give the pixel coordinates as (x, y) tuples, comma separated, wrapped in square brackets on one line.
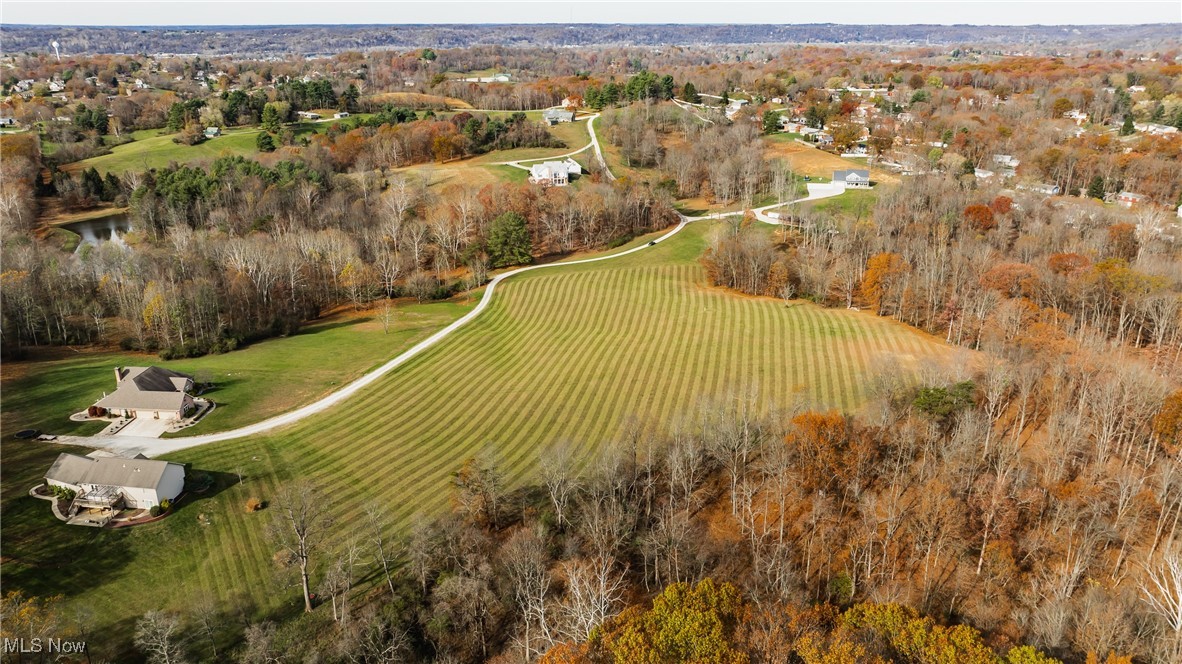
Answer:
[(132, 445), (593, 145)]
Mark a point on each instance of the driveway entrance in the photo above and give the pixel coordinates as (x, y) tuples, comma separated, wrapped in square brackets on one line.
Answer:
[(145, 427)]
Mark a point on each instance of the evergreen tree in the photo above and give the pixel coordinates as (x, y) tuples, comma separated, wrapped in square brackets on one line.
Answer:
[(508, 240), (666, 86), (771, 122), (349, 98), (1096, 188), (176, 117), (690, 93), (726, 99), (271, 120), (264, 142), (1127, 128)]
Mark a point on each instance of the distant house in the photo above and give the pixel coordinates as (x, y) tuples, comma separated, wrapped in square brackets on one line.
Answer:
[(982, 174), (734, 107), (1006, 160), (553, 116), (856, 178), (308, 115), (572, 102), (1129, 199), (213, 132), (554, 173), (161, 394), (1042, 188), (7, 121), (1154, 129), (1075, 114), (342, 114), (823, 138), (105, 483)]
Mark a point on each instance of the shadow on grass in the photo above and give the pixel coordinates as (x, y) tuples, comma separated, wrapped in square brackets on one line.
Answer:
[(45, 557)]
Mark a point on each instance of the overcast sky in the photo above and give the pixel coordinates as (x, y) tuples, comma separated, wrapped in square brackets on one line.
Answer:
[(288, 12)]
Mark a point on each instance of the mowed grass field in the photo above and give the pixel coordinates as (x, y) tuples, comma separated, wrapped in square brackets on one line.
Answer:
[(567, 354)]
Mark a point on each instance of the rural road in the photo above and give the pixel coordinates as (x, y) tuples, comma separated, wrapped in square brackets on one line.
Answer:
[(132, 445)]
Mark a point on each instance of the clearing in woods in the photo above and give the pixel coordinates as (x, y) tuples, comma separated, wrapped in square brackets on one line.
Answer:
[(807, 160), (569, 355)]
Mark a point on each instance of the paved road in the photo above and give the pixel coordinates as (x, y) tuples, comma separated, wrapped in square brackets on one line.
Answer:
[(132, 445)]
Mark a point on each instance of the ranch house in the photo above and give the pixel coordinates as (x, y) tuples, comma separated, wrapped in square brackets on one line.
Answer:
[(153, 392), (108, 483), (856, 178), (552, 116), (1129, 199)]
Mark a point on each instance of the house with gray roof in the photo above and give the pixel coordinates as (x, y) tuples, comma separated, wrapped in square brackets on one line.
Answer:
[(553, 116), (150, 392), (856, 178), (106, 483)]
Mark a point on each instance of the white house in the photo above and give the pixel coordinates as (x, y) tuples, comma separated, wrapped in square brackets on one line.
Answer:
[(554, 173), (308, 115), (342, 114), (153, 392), (1129, 199), (1041, 188), (734, 107), (553, 116), (1154, 129), (856, 178), (109, 482), (1075, 114)]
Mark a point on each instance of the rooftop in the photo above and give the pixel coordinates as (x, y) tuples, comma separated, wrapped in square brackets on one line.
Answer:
[(107, 471)]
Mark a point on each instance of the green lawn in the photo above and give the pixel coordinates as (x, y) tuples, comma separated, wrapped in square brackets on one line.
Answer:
[(849, 203), (154, 148), (251, 384), (510, 173), (563, 354)]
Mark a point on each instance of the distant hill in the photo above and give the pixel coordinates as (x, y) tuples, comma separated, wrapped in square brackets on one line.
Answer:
[(263, 41)]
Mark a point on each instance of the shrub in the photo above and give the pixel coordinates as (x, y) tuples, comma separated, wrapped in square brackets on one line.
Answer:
[(165, 505), (154, 510), (254, 505)]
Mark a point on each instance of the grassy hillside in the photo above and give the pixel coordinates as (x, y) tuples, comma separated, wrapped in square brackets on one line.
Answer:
[(251, 384), (564, 354), (155, 149)]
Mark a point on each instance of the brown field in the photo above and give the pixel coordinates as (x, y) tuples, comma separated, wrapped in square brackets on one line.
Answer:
[(818, 163), (418, 99)]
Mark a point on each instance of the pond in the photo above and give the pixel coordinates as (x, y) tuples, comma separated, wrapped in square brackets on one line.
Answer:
[(97, 231)]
